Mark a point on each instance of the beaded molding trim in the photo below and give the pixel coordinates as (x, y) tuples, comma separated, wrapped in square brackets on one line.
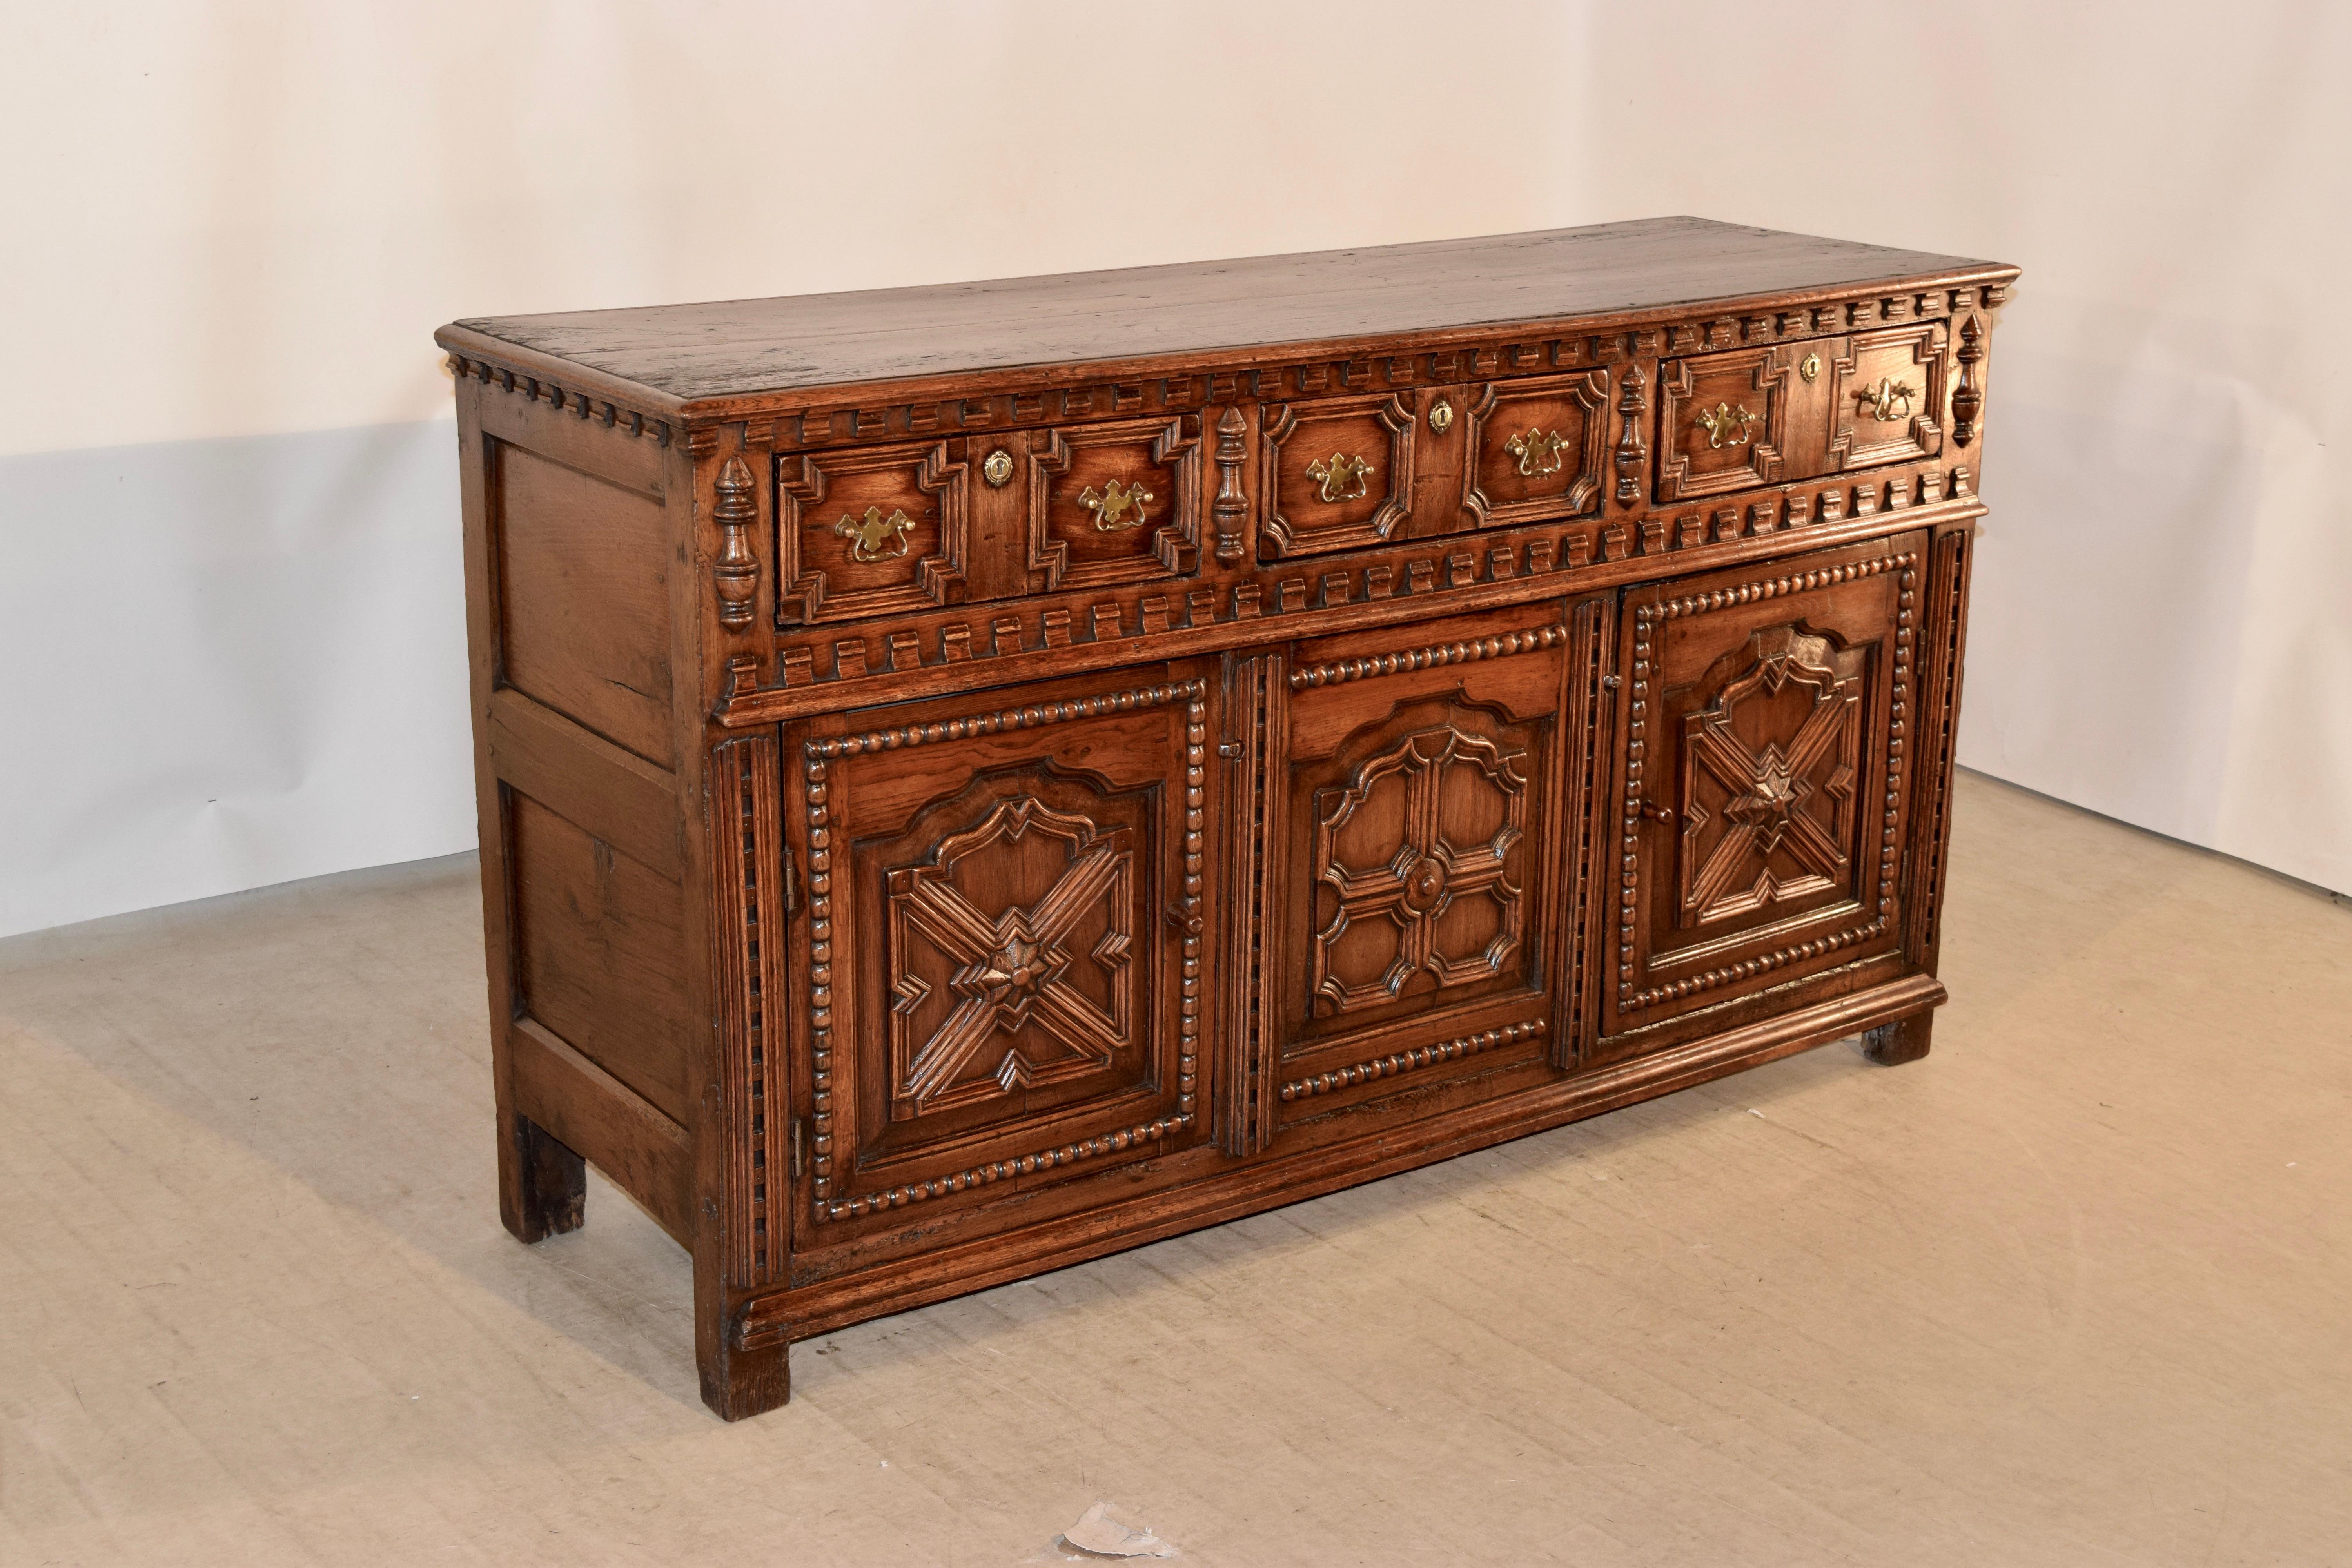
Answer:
[(1430, 657), (1411, 1061)]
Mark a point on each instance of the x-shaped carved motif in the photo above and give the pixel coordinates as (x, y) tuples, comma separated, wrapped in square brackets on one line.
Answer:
[(1770, 785), (1014, 968)]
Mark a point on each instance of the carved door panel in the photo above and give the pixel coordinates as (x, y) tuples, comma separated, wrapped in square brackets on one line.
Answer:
[(1759, 799), (1408, 925), (1006, 896)]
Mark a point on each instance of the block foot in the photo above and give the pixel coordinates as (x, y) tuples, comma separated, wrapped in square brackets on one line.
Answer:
[(542, 1185), (1904, 1041)]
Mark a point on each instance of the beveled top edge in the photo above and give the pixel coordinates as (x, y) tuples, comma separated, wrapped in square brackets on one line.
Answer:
[(745, 348)]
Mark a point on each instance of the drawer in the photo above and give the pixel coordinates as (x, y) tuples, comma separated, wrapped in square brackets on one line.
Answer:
[(1118, 502), (872, 531), (1725, 420), (1346, 473), (1338, 473), (889, 529), (1886, 397), (1801, 410)]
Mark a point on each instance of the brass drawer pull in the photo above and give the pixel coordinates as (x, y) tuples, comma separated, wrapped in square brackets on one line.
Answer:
[(1889, 401), (1726, 425), (1115, 511), (875, 537), (1344, 477), (1538, 452)]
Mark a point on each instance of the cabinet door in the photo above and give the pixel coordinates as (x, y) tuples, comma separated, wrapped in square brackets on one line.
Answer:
[(1409, 929), (1006, 894), (1760, 795)]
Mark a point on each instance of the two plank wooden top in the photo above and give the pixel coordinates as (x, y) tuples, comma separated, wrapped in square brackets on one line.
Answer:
[(687, 354)]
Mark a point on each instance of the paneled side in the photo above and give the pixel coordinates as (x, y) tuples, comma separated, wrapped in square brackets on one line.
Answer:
[(582, 599), (600, 953)]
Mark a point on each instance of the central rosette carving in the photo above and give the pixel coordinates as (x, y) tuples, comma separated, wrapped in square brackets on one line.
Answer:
[(1424, 877), (1012, 975)]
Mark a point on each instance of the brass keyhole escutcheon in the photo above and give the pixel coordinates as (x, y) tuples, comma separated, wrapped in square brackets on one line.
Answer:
[(874, 537), (1441, 415), (1343, 476), (1889, 401), (1811, 367), (1726, 425), (1116, 509), (997, 468), (1537, 451)]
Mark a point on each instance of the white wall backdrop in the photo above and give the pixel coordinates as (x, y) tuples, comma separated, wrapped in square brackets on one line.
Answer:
[(230, 628)]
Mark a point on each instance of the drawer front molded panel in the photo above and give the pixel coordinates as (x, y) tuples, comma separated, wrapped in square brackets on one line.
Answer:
[(1536, 450), (1887, 396), (1724, 421), (1338, 473), (872, 531), (1117, 502), (899, 527)]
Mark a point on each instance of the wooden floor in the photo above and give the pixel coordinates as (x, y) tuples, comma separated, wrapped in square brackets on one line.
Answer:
[(2077, 1289)]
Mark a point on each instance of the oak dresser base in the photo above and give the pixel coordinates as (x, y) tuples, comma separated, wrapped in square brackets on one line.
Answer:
[(975, 779)]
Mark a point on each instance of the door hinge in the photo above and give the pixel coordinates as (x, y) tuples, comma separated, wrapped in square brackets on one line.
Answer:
[(799, 1162), (792, 891)]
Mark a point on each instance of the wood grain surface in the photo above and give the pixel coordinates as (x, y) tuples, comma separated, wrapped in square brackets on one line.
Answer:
[(736, 347)]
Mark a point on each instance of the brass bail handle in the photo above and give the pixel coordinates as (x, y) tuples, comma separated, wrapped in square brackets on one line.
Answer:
[(1537, 451), (1889, 401), (1727, 425), (1343, 476), (1116, 509), (874, 537)]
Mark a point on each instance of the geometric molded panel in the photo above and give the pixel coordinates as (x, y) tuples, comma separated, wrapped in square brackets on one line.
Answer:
[(1723, 422), (1006, 918), (1535, 449), (1010, 960), (1417, 852), (1886, 397), (1337, 474), (1769, 775), (868, 531), (1115, 502), (1764, 752)]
